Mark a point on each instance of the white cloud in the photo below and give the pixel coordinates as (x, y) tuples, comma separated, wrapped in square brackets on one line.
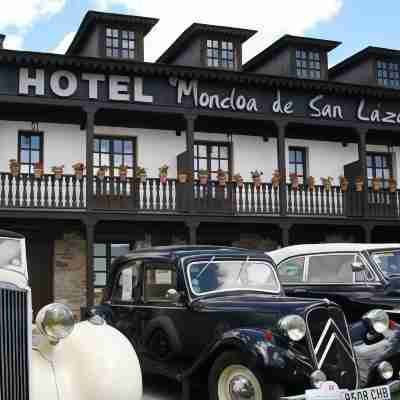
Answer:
[(272, 18), (13, 42), (62, 47)]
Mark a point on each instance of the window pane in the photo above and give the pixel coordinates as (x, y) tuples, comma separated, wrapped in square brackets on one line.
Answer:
[(25, 169), (292, 156), (117, 146), (35, 142), (100, 279), (202, 151), (214, 165), (100, 264), (128, 147), (292, 270), (105, 145), (128, 160), (24, 156), (105, 159), (331, 268), (117, 160), (100, 249), (96, 158), (35, 157), (223, 152), (224, 165), (119, 249)]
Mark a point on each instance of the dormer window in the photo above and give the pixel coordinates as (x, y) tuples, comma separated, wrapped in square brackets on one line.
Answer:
[(120, 43), (308, 64), (220, 54), (388, 74)]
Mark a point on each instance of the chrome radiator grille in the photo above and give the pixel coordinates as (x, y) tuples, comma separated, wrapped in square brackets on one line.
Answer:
[(14, 363)]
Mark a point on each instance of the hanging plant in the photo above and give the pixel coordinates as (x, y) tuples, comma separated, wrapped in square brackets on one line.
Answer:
[(344, 184), (101, 172), (163, 173), (238, 179), (311, 183), (141, 174), (78, 168), (256, 175), (38, 169), (276, 179), (392, 185), (222, 177), (359, 184), (294, 181), (376, 184), (123, 172), (14, 167), (327, 182), (58, 171), (203, 176)]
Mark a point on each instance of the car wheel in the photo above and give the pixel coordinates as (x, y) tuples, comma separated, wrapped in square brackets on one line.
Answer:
[(231, 378)]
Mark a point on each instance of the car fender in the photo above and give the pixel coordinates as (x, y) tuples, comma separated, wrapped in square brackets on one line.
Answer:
[(43, 381), (96, 362)]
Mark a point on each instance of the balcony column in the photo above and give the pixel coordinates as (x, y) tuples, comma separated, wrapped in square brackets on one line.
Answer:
[(192, 227), (90, 227), (285, 234), (90, 123), (368, 233), (190, 125), (281, 128), (362, 156)]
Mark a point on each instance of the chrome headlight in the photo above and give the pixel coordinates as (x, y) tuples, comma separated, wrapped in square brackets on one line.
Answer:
[(378, 320), (317, 378), (55, 321), (385, 370), (293, 326)]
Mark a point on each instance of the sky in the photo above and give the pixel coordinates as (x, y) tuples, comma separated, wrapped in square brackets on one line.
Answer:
[(49, 25)]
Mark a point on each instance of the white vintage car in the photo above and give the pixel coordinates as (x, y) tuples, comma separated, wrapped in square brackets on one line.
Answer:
[(57, 359)]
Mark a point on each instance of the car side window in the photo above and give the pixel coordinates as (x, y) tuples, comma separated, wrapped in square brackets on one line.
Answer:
[(330, 268), (159, 278), (363, 276), (292, 270), (127, 286)]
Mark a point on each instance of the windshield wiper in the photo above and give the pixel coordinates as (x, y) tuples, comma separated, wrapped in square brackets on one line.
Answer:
[(204, 268)]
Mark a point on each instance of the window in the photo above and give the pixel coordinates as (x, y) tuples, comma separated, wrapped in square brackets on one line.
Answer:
[(30, 150), (292, 271), (112, 153), (308, 64), (127, 285), (211, 156), (120, 43), (297, 163), (159, 278), (388, 74), (104, 254), (379, 165), (220, 53), (331, 268)]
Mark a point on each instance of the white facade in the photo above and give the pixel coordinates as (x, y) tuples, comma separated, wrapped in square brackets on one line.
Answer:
[(64, 144)]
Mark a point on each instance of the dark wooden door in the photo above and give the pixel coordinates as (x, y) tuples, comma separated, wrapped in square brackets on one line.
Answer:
[(40, 268)]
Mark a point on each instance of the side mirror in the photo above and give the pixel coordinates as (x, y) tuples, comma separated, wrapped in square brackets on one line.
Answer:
[(173, 295), (357, 267)]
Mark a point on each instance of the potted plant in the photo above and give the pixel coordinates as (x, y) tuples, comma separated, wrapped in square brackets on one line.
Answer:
[(123, 172), (203, 176), (392, 185), (327, 182), (222, 177), (311, 183), (256, 175), (163, 173), (78, 169), (294, 181), (38, 169), (101, 172), (14, 167), (359, 184), (276, 179), (376, 184), (58, 171), (344, 183), (238, 179), (141, 174), (182, 177)]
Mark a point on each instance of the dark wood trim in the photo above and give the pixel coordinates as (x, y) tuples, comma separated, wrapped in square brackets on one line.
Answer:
[(305, 151), (281, 147), (31, 133)]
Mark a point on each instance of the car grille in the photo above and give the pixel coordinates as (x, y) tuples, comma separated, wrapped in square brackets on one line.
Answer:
[(331, 345), (14, 363)]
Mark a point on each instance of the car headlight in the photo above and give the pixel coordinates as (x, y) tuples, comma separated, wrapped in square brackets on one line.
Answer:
[(317, 378), (378, 320), (293, 326), (385, 370), (55, 321)]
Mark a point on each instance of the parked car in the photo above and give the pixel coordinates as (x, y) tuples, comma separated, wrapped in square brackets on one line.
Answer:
[(57, 358), (219, 317), (358, 277)]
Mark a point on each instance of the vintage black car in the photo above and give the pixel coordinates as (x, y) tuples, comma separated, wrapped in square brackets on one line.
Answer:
[(357, 276), (219, 317)]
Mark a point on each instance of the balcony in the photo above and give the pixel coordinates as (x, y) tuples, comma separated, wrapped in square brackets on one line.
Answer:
[(68, 192)]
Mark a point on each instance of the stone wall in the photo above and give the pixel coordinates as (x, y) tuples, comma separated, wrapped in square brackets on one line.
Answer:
[(70, 273)]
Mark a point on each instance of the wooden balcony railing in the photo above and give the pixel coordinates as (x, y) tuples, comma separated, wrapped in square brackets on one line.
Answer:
[(113, 193)]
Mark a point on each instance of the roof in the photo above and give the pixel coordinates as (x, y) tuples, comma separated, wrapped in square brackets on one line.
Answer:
[(304, 249), (10, 234), (361, 56), (196, 29), (95, 16), (286, 41)]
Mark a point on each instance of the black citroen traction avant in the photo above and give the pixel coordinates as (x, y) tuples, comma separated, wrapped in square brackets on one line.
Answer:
[(219, 317)]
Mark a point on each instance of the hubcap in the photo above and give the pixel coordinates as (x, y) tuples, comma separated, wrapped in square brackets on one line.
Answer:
[(237, 382)]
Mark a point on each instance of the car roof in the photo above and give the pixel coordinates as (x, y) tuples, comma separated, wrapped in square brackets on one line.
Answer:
[(10, 234), (303, 249)]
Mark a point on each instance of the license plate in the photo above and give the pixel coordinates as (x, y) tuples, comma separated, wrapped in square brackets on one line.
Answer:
[(374, 393)]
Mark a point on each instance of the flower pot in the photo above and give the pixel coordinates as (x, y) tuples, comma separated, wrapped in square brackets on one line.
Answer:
[(101, 174), (344, 186), (78, 173), (392, 185), (58, 173), (182, 178), (376, 186), (222, 181), (38, 172), (359, 186), (163, 179), (240, 182), (203, 180), (142, 178), (257, 181), (123, 175), (15, 170)]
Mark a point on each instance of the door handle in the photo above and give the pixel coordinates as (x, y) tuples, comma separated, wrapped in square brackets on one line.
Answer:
[(299, 291)]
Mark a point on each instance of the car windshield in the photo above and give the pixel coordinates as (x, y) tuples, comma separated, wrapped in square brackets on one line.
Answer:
[(388, 261), (10, 253), (229, 275)]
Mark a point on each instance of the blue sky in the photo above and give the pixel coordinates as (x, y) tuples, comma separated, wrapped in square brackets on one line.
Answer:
[(356, 23)]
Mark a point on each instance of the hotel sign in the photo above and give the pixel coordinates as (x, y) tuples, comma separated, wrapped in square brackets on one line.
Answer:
[(174, 92)]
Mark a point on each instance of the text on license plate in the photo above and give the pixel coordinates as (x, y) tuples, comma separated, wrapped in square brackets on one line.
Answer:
[(375, 393)]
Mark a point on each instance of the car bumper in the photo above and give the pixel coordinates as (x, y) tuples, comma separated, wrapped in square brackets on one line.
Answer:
[(394, 387)]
